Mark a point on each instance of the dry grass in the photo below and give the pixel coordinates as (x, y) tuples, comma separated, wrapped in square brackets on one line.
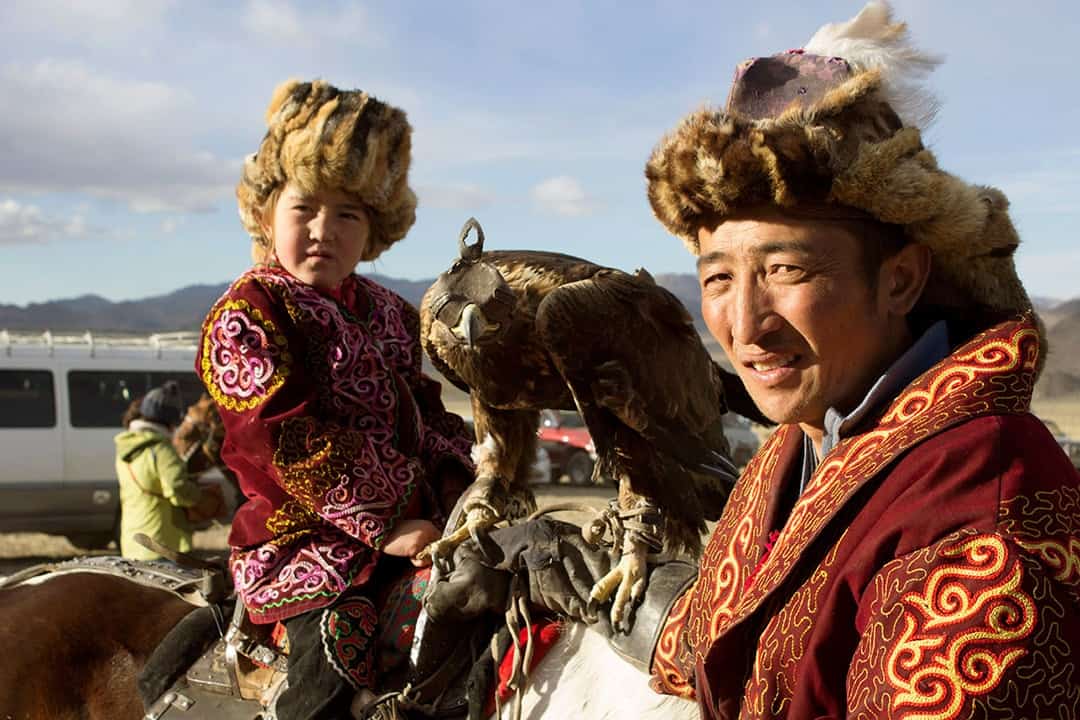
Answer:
[(1065, 411)]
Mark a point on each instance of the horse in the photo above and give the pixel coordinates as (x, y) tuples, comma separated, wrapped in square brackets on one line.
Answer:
[(75, 660), (198, 438)]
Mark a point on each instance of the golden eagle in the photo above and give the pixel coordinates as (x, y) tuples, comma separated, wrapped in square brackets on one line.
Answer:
[(522, 331)]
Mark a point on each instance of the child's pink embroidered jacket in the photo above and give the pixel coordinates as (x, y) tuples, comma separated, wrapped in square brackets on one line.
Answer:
[(332, 429)]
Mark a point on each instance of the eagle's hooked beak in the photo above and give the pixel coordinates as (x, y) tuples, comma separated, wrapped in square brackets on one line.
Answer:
[(471, 326)]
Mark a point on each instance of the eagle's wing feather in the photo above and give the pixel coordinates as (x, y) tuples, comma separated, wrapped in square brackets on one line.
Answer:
[(651, 395)]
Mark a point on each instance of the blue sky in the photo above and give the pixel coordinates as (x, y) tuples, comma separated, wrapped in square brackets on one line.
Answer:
[(125, 122)]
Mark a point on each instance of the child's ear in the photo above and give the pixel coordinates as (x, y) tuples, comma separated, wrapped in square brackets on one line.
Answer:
[(260, 252)]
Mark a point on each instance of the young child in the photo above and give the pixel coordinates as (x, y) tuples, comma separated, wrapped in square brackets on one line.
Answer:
[(342, 445)]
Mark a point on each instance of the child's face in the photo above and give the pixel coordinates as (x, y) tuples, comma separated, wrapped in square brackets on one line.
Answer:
[(319, 238)]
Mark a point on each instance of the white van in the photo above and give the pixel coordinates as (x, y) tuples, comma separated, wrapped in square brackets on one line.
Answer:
[(61, 403)]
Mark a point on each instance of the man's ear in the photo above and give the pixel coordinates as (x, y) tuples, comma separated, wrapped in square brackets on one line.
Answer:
[(903, 278)]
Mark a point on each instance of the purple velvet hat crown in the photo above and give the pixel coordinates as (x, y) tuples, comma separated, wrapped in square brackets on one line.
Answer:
[(765, 87)]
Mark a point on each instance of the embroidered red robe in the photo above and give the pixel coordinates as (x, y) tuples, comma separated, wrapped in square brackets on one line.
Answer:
[(930, 569), (332, 430)]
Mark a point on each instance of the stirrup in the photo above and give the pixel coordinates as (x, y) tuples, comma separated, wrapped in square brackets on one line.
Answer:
[(241, 647)]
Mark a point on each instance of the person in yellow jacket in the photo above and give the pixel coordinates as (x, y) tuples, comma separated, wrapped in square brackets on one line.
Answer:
[(155, 487)]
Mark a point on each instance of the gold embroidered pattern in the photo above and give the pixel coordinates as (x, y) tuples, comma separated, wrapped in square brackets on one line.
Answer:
[(292, 517), (1048, 526), (337, 473), (1044, 684), (672, 665), (312, 457), (782, 645), (993, 373), (961, 631), (726, 563), (245, 359)]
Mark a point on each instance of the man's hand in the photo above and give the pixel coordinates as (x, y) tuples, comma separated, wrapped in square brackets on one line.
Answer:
[(408, 538)]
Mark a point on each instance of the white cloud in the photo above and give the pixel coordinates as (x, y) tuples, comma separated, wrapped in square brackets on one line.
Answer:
[(75, 130), (96, 23), (455, 197), (563, 195), (23, 224), (170, 224), (282, 22)]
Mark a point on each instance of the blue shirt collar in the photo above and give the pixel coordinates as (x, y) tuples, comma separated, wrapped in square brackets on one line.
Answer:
[(927, 351)]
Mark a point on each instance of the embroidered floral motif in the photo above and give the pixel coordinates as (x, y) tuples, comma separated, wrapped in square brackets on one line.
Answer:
[(961, 631), (244, 357), (292, 517), (359, 488), (398, 613), (348, 632), (354, 375), (298, 572)]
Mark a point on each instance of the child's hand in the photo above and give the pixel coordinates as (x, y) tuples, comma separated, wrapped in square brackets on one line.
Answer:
[(409, 537)]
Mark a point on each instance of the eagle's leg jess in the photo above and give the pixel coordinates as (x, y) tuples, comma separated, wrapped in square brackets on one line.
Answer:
[(503, 455), (483, 509), (636, 532)]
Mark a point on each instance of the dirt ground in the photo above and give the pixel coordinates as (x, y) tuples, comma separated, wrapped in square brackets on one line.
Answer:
[(21, 550)]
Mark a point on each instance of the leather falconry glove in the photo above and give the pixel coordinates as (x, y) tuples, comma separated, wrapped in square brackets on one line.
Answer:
[(558, 568), (552, 559)]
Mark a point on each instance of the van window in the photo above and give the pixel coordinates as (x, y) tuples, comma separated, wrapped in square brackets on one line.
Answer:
[(27, 399), (99, 398)]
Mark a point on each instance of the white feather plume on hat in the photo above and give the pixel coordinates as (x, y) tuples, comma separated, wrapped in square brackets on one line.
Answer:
[(873, 41), (848, 139)]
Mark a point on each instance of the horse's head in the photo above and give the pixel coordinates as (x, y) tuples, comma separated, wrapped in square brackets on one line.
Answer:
[(199, 436)]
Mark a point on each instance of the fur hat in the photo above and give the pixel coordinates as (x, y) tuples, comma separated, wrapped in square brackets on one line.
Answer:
[(320, 137), (163, 405), (838, 123)]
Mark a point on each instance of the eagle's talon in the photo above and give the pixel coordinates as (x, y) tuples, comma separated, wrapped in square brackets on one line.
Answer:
[(477, 518), (626, 581)]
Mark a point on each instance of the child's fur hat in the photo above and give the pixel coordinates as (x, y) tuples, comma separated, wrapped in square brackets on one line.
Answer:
[(837, 123), (320, 137)]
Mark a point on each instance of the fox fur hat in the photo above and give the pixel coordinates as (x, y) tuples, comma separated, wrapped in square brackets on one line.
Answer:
[(837, 123), (320, 137)]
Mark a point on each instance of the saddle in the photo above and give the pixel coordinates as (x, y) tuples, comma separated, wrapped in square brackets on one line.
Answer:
[(207, 669), (200, 587)]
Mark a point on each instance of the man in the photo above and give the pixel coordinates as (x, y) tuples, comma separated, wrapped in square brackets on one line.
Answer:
[(907, 544)]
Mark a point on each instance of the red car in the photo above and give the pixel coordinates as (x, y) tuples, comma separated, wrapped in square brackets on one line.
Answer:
[(565, 439)]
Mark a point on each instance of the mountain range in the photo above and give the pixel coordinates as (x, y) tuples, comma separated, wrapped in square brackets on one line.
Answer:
[(184, 309)]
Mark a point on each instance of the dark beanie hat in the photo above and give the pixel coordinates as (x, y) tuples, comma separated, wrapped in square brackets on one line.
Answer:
[(163, 405)]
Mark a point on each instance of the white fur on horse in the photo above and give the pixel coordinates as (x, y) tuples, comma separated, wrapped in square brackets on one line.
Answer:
[(582, 677)]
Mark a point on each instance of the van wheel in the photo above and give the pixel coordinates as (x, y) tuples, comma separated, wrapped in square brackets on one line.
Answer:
[(580, 469), (92, 540)]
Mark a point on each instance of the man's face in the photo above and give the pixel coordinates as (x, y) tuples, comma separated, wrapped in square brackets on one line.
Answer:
[(789, 302)]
